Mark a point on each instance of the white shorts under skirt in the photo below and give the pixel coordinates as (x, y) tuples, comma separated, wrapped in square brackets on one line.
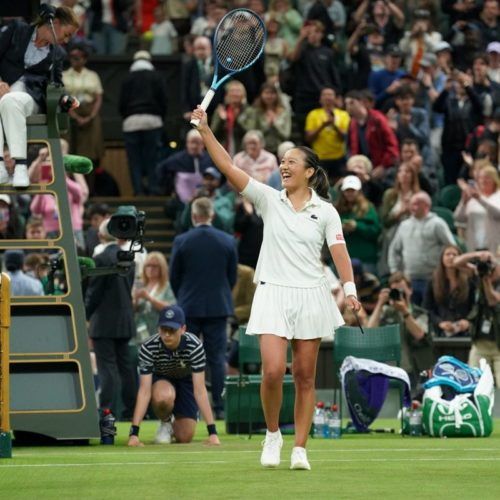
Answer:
[(294, 313)]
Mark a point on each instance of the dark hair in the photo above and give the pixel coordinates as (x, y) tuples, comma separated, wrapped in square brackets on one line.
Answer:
[(410, 142), (480, 56), (357, 95), (319, 180), (99, 209), (80, 47), (404, 91)]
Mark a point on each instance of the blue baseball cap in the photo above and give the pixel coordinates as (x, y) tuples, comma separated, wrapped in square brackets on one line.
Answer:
[(172, 317)]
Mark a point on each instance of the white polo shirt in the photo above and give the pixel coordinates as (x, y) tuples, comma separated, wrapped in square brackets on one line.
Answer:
[(291, 250)]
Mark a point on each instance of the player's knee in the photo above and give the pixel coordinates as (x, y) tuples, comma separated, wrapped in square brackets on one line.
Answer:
[(183, 435), (273, 375), (164, 403), (303, 379)]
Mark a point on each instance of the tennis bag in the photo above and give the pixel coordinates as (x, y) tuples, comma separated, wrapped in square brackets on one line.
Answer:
[(450, 410)]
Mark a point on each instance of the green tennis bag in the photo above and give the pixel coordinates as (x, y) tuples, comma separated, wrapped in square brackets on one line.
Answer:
[(466, 415)]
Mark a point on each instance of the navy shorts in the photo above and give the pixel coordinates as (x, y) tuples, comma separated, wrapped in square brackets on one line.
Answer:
[(185, 404)]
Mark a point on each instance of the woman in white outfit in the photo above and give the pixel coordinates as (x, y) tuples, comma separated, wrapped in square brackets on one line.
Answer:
[(293, 299)]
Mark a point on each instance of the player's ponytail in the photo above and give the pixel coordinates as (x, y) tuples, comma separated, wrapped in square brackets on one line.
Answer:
[(319, 180)]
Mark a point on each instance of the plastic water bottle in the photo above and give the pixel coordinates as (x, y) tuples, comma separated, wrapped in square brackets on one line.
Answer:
[(319, 420), (326, 425), (108, 428), (415, 420), (335, 423)]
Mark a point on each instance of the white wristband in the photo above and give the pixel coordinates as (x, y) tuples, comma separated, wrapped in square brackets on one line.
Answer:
[(350, 289)]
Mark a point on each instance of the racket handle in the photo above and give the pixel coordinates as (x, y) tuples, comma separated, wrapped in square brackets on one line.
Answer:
[(204, 105)]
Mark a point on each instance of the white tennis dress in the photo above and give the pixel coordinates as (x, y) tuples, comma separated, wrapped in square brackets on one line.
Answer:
[(293, 297)]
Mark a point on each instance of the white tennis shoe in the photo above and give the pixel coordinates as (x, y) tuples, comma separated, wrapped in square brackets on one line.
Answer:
[(21, 177), (164, 433), (271, 450), (299, 459)]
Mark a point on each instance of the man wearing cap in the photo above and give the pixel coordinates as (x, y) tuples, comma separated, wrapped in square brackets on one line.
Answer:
[(142, 105), (360, 222), (203, 270), (385, 82), (493, 51), (223, 204), (20, 283), (172, 378)]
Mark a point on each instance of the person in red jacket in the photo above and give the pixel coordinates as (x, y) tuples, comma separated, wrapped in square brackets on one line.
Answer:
[(370, 134)]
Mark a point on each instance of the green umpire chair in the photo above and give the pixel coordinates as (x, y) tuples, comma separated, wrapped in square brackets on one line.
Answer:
[(247, 414), (381, 344), (52, 390)]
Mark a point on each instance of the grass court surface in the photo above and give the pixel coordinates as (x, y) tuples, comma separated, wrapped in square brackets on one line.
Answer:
[(375, 466)]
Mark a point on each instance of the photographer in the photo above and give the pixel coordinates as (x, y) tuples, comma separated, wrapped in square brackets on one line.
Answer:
[(485, 316), (394, 307)]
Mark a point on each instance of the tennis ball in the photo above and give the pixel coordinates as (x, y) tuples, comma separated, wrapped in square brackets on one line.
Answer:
[(148, 36), (229, 59)]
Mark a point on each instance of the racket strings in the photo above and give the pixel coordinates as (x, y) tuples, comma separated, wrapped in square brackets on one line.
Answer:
[(239, 40)]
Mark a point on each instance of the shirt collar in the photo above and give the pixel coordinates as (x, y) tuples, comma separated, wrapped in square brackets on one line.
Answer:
[(314, 201)]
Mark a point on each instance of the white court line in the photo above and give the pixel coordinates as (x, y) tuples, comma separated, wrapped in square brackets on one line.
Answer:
[(121, 464), (19, 453)]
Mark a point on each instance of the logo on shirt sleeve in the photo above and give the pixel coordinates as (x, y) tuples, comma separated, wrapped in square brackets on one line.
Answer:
[(339, 237)]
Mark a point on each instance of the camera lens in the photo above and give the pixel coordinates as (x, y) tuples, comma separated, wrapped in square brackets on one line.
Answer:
[(395, 294)]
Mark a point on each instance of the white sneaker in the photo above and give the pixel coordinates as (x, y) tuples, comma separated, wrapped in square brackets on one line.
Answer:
[(299, 459), (164, 433), (4, 175), (271, 449), (21, 177)]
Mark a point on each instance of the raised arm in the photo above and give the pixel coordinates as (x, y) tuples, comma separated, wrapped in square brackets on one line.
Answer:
[(237, 177)]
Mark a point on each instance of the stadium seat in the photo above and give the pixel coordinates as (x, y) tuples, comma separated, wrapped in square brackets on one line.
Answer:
[(449, 196), (447, 215), (381, 344)]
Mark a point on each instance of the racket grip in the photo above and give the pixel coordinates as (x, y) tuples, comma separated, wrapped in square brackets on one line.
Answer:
[(204, 105)]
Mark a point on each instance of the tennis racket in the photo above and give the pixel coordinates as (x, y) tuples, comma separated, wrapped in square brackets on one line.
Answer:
[(239, 41)]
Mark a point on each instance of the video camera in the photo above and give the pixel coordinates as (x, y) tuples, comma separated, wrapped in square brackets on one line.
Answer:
[(128, 223)]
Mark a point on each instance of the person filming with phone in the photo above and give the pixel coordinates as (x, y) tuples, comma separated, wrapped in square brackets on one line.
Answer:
[(394, 306)]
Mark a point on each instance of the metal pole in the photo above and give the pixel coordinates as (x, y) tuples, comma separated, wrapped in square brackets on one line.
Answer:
[(5, 437)]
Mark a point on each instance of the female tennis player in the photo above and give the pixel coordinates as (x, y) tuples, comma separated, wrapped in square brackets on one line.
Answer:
[(293, 299)]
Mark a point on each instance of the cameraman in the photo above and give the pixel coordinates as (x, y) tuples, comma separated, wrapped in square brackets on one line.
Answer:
[(394, 306), (485, 316)]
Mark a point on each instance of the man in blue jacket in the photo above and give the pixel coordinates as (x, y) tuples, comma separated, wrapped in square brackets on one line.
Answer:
[(202, 273)]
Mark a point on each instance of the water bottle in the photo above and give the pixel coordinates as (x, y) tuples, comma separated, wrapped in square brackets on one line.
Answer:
[(108, 428), (326, 425), (415, 420), (319, 420), (335, 423)]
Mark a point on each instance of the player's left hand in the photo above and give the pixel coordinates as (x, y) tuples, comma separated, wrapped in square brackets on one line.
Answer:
[(213, 440), (353, 303)]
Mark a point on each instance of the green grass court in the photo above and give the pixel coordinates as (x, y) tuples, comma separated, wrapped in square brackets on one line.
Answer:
[(375, 466)]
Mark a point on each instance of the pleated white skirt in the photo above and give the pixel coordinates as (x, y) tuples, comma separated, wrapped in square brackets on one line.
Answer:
[(294, 313)]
